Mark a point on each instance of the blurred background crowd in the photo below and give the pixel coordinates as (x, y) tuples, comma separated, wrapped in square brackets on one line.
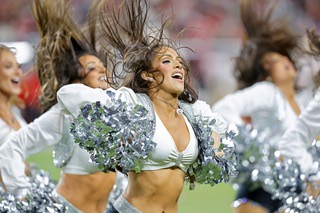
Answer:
[(212, 30)]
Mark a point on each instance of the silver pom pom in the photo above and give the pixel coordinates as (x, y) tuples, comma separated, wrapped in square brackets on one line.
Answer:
[(116, 134)]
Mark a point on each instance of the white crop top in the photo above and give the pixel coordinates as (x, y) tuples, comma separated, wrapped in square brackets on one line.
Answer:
[(6, 130), (166, 154), (79, 163), (45, 131)]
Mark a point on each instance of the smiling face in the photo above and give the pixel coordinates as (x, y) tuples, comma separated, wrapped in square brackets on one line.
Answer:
[(170, 70), (95, 72), (10, 74), (279, 67)]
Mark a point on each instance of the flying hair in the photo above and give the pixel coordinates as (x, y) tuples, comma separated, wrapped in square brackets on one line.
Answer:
[(134, 40), (61, 43), (263, 35)]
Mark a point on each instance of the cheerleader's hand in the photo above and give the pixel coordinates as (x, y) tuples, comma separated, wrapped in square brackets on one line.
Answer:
[(217, 151)]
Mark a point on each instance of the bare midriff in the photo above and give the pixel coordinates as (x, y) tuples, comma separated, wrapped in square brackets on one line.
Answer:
[(155, 191), (88, 193)]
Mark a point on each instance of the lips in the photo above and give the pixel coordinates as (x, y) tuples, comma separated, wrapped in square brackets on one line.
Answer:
[(177, 75), (15, 80), (102, 78)]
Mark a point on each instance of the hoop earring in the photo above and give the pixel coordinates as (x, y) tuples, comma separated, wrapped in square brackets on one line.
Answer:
[(151, 80)]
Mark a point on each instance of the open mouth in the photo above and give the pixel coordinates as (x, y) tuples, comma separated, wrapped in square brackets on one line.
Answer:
[(102, 78), (15, 80), (177, 75)]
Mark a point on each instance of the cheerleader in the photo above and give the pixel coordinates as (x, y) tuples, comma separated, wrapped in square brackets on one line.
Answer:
[(296, 142), (11, 119), (11, 75), (154, 124), (64, 56), (267, 101)]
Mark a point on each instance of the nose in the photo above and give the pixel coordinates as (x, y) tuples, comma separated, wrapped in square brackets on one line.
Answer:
[(178, 65), (102, 69)]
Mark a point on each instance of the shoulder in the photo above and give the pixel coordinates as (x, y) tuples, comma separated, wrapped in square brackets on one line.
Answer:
[(198, 108), (258, 92), (78, 89), (304, 96), (262, 87), (5, 132), (200, 104), (128, 95), (126, 91)]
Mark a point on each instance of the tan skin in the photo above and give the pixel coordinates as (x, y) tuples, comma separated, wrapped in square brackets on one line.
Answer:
[(282, 73), (159, 190), (10, 87), (89, 193)]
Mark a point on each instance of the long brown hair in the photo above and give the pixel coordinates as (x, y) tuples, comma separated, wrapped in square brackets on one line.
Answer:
[(135, 40), (61, 44), (314, 46), (263, 36)]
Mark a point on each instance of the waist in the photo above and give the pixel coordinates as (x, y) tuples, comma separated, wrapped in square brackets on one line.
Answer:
[(86, 188), (60, 199), (159, 188)]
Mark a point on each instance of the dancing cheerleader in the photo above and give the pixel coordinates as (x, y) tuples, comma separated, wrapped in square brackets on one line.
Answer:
[(306, 128), (11, 119), (266, 75), (64, 56), (153, 127), (301, 143), (11, 75)]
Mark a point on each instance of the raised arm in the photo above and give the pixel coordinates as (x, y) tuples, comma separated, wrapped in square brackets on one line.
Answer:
[(73, 96), (300, 135), (245, 102), (43, 132)]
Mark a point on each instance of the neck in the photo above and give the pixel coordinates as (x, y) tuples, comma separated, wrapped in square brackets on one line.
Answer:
[(5, 102), (166, 105), (287, 89), (5, 112)]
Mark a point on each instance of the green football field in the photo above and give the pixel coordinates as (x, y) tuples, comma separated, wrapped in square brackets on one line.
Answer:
[(204, 199)]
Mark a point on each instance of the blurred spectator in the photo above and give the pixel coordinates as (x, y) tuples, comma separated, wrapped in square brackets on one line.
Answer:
[(30, 92)]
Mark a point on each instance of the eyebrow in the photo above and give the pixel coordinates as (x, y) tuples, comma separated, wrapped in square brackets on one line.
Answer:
[(91, 62), (169, 55)]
